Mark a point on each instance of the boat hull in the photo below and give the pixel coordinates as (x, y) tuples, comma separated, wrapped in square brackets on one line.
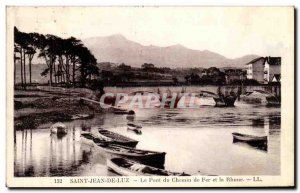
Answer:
[(135, 129), (59, 129), (122, 171), (87, 141), (118, 139), (114, 142), (82, 116), (248, 138), (258, 142), (156, 159), (142, 171)]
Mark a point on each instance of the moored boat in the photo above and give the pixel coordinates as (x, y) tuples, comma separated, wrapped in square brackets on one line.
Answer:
[(123, 112), (59, 128), (116, 138), (87, 138), (135, 128), (127, 167), (248, 138), (152, 158), (82, 116)]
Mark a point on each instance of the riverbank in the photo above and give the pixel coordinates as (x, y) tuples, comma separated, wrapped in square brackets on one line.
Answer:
[(194, 140), (33, 108)]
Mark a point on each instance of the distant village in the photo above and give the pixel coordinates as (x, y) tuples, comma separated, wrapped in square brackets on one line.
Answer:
[(262, 70), (68, 62)]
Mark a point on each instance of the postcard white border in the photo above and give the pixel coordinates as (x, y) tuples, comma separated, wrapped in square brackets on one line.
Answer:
[(287, 131)]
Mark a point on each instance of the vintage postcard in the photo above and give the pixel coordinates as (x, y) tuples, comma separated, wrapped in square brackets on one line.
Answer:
[(150, 96)]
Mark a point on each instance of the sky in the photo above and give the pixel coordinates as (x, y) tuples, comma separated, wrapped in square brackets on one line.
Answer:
[(232, 32)]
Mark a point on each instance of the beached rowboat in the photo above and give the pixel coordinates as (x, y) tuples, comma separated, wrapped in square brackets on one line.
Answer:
[(116, 138), (127, 167), (153, 158), (248, 138)]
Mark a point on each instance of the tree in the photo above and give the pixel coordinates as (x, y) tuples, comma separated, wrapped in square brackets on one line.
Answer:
[(124, 67), (87, 65), (33, 40), (20, 46), (187, 79), (147, 66), (63, 57), (48, 50), (175, 80), (74, 47), (195, 78)]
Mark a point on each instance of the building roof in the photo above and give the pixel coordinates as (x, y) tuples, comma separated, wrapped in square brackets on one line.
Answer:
[(274, 60), (270, 60), (255, 60)]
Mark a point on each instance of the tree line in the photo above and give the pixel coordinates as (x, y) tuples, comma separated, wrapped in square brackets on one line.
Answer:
[(67, 61)]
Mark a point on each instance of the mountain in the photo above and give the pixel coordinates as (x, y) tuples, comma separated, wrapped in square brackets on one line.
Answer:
[(118, 49)]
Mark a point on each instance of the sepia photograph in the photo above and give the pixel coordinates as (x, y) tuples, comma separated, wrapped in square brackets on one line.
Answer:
[(201, 96)]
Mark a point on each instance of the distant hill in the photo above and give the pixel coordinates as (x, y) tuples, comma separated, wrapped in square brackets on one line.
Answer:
[(113, 50), (118, 49)]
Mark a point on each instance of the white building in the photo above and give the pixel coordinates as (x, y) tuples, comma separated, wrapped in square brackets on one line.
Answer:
[(263, 69)]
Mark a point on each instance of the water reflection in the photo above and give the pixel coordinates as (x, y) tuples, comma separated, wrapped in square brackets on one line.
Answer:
[(258, 122), (194, 139), (257, 144)]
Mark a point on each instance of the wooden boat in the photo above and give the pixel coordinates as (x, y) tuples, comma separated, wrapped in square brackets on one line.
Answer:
[(248, 138), (87, 138), (152, 158), (116, 138), (85, 127), (123, 112), (136, 131), (127, 167), (82, 116), (258, 142), (59, 128), (135, 128)]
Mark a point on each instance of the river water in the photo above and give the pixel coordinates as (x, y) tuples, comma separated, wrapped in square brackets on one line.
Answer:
[(198, 139)]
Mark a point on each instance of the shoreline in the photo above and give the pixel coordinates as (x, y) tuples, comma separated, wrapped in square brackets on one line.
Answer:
[(34, 108)]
